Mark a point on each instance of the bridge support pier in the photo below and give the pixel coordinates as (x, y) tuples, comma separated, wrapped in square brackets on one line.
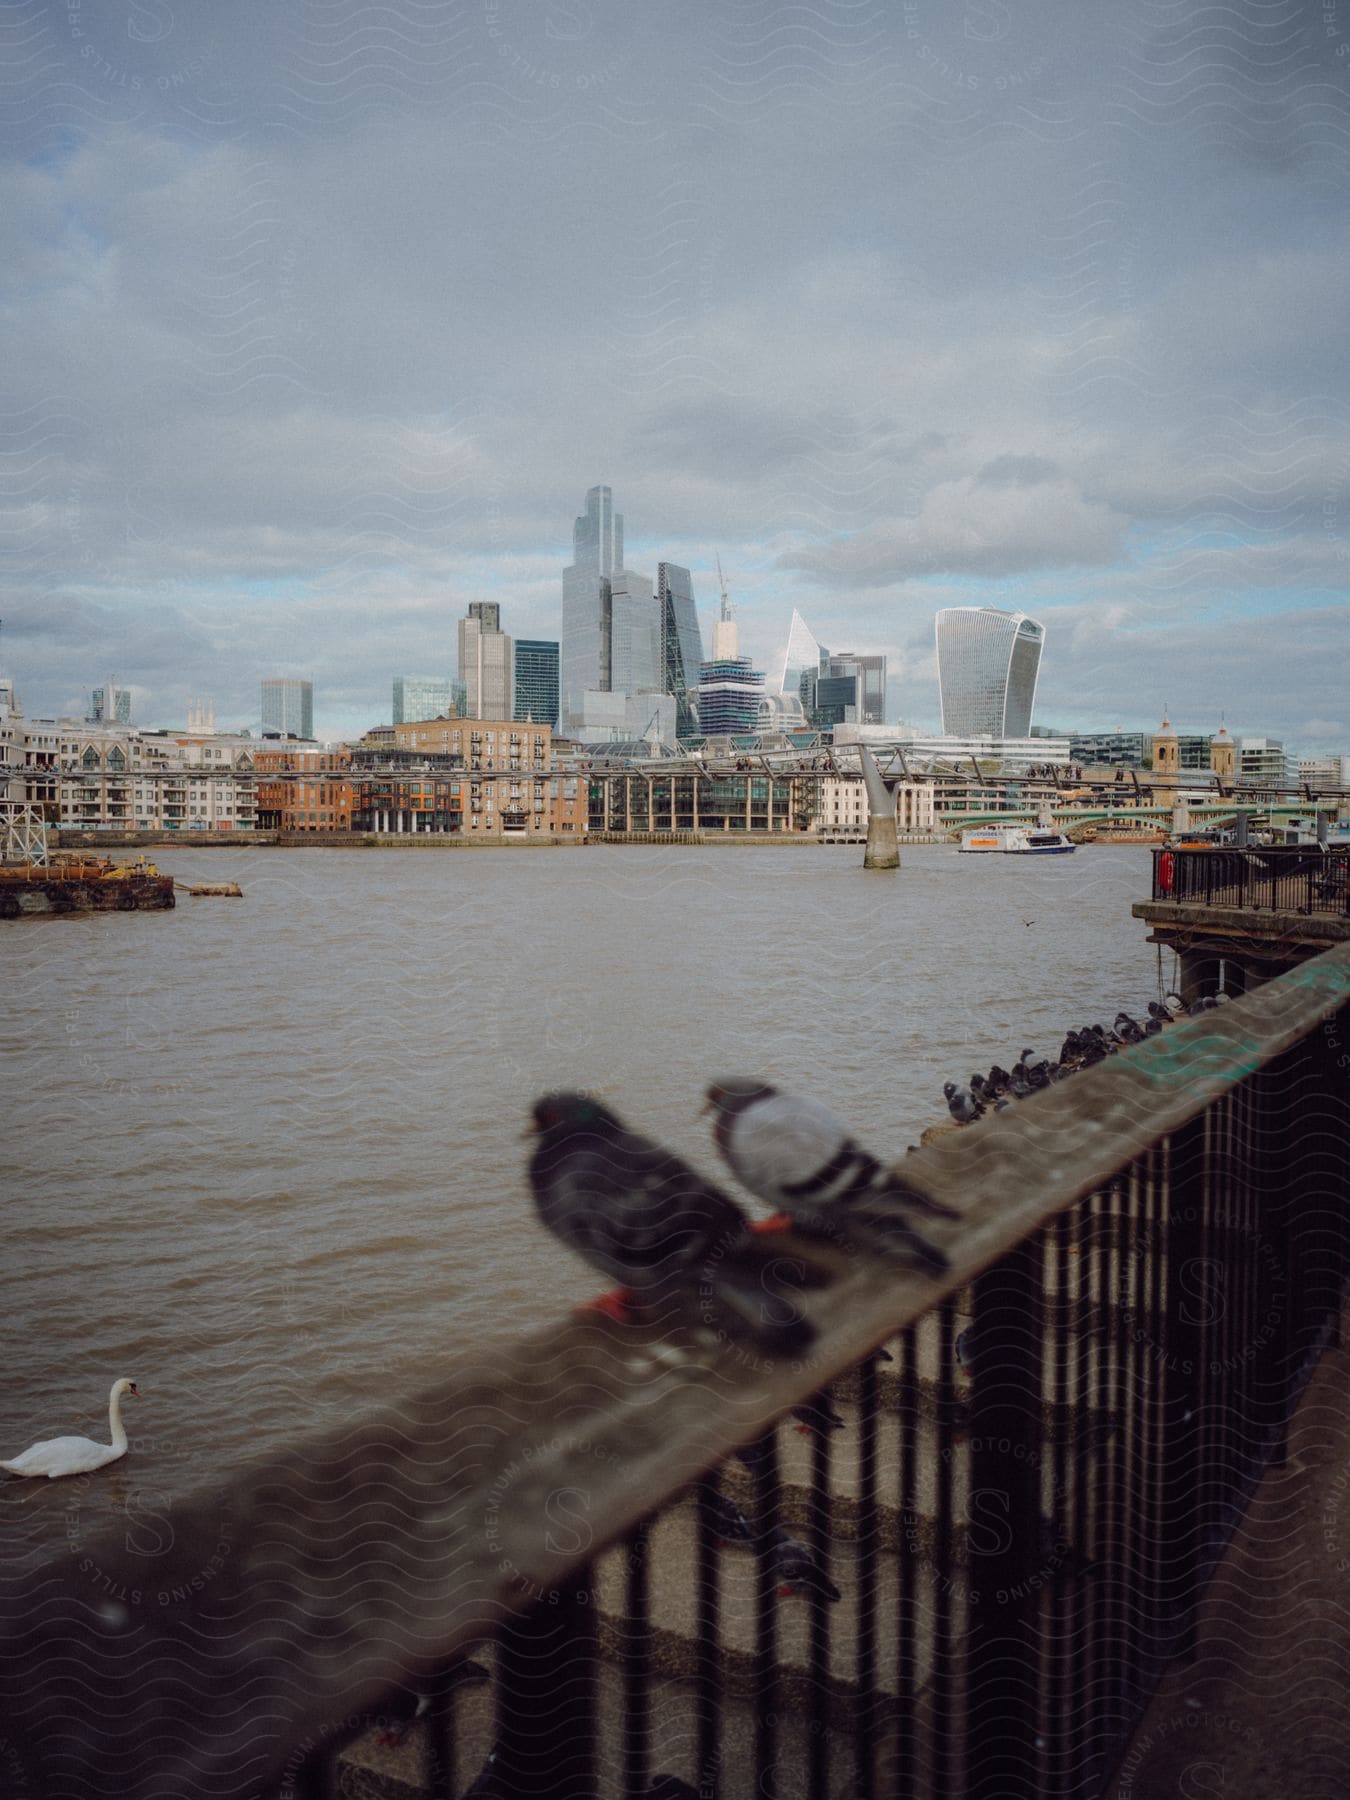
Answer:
[(883, 844)]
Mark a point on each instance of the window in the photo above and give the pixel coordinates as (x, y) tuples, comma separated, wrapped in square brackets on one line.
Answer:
[(90, 758)]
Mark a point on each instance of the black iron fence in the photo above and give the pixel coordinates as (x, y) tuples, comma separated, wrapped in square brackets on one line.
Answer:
[(948, 1555), (1293, 879)]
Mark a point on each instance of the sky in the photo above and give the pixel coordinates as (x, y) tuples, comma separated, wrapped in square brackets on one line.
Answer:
[(322, 318)]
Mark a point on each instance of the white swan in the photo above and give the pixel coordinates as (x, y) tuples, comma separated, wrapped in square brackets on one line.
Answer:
[(77, 1455)]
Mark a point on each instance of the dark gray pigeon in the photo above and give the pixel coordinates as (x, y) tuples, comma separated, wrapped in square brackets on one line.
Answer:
[(798, 1570), (817, 1414), (796, 1154), (729, 1522), (961, 1104), (405, 1705), (645, 1218)]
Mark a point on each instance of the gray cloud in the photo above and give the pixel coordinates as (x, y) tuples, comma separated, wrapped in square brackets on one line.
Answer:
[(329, 319)]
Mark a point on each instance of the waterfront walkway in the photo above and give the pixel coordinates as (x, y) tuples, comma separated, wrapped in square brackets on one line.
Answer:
[(1264, 1710)]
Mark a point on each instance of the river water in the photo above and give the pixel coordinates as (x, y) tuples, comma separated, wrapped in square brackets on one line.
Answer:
[(265, 1155)]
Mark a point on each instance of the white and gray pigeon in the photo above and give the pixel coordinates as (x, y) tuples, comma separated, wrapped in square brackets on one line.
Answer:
[(796, 1154), (643, 1217)]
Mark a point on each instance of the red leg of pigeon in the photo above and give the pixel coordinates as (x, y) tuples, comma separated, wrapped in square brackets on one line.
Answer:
[(614, 1305), (786, 1593), (778, 1222)]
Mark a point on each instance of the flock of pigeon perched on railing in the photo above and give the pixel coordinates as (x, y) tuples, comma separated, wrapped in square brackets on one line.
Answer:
[(1081, 1049)]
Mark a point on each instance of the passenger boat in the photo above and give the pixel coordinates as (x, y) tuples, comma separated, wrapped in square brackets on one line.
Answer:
[(1017, 840)]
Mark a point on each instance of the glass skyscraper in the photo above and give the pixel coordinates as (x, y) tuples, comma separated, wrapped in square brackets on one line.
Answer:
[(729, 693), (597, 555), (537, 680), (681, 643), (418, 697), (288, 707), (988, 662)]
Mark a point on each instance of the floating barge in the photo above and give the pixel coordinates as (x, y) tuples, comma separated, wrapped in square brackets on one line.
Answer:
[(71, 881)]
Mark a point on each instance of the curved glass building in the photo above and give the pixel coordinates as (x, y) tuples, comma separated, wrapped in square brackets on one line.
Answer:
[(988, 662)]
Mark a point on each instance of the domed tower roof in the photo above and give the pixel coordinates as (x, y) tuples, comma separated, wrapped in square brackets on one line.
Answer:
[(1222, 736)]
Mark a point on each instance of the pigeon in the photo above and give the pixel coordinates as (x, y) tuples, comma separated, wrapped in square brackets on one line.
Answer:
[(756, 1455), (1153, 1027), (487, 1783), (965, 1349), (798, 1570), (408, 1704), (642, 1216), (996, 1081), (729, 1522), (960, 1104), (798, 1156), (1070, 1051), (1159, 1013), (817, 1415), (1018, 1085)]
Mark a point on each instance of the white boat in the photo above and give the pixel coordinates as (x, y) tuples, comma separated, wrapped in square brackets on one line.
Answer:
[(1017, 840)]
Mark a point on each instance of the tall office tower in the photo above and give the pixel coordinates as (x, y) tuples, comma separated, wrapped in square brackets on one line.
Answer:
[(869, 673), (597, 554), (485, 662), (418, 697), (629, 635), (681, 643), (288, 707), (110, 704), (802, 655), (729, 692), (988, 662), (536, 681)]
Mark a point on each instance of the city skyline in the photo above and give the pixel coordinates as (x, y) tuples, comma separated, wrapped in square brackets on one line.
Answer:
[(1036, 314)]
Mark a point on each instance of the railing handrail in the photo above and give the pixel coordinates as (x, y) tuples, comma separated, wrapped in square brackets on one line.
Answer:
[(385, 1548)]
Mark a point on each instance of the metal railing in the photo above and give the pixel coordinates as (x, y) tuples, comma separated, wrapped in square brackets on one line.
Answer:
[(1279, 879), (1018, 1514)]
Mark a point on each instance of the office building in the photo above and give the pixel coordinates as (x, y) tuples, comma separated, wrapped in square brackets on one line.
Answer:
[(869, 678), (988, 663), (597, 555), (1265, 763), (536, 662), (288, 707), (485, 663), (109, 705), (802, 656), (681, 643), (422, 697), (629, 635), (729, 693)]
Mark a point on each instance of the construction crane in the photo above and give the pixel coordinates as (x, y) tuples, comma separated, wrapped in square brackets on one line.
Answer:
[(721, 582)]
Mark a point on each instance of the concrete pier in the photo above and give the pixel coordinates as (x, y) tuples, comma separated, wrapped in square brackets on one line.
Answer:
[(883, 845)]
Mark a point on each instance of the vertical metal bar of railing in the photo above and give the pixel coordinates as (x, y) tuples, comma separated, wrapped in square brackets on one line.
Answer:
[(865, 1719), (1005, 1668), (1070, 1427), (1097, 1485), (1124, 1246), (942, 1684), (907, 1598), (1181, 1440), (708, 1648), (546, 1716), (1159, 1158), (818, 1621), (1089, 1325), (637, 1665), (765, 1661)]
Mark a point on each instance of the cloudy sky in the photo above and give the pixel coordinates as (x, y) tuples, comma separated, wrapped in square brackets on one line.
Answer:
[(322, 317)]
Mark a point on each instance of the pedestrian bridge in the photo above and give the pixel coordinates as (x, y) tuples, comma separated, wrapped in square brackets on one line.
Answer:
[(1150, 1260)]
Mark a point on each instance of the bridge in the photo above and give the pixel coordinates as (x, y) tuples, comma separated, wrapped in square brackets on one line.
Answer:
[(1020, 1536)]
